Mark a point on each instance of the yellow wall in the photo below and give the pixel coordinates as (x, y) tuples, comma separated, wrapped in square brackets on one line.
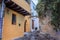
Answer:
[(12, 31)]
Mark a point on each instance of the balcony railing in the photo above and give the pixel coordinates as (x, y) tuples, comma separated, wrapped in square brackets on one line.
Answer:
[(20, 6), (23, 4)]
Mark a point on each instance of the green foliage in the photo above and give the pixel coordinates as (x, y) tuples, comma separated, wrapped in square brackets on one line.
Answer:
[(44, 5), (56, 16), (40, 8)]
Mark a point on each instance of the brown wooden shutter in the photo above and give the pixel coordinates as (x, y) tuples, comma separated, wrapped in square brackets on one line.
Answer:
[(14, 19), (25, 25), (32, 24)]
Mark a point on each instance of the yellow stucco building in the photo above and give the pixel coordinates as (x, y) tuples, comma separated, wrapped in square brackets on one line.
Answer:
[(16, 19)]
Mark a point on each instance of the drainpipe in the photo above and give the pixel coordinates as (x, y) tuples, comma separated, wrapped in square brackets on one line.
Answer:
[(1, 17)]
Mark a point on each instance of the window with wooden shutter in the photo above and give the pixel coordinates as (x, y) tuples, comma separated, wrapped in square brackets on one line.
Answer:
[(32, 24), (13, 19)]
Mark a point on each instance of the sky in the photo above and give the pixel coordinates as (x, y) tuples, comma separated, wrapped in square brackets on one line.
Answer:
[(35, 1)]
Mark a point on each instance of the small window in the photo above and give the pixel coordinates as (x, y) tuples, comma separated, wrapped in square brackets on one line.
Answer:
[(32, 24), (14, 19)]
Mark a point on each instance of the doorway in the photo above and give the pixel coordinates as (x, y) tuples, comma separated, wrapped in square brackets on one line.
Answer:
[(25, 23)]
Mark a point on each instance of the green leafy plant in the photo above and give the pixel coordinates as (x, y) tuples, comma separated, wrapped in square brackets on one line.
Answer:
[(54, 6)]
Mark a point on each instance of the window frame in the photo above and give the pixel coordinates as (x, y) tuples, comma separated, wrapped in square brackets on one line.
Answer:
[(32, 24), (14, 19)]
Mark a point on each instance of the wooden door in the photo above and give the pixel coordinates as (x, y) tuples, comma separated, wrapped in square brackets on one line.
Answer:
[(25, 25)]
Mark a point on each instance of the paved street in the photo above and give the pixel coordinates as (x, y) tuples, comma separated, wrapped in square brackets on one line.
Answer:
[(37, 36)]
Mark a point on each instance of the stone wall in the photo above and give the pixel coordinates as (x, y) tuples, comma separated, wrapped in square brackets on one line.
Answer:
[(46, 27)]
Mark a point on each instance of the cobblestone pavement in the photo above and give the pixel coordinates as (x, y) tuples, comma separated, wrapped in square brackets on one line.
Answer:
[(37, 36)]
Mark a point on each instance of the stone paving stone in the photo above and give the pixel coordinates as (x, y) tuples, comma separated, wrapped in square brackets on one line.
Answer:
[(36, 36)]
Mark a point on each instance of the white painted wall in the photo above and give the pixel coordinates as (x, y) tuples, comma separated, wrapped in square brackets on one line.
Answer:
[(34, 13), (36, 23)]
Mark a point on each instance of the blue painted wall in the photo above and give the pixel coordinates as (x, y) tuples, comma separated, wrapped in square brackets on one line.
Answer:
[(1, 27), (1, 20)]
